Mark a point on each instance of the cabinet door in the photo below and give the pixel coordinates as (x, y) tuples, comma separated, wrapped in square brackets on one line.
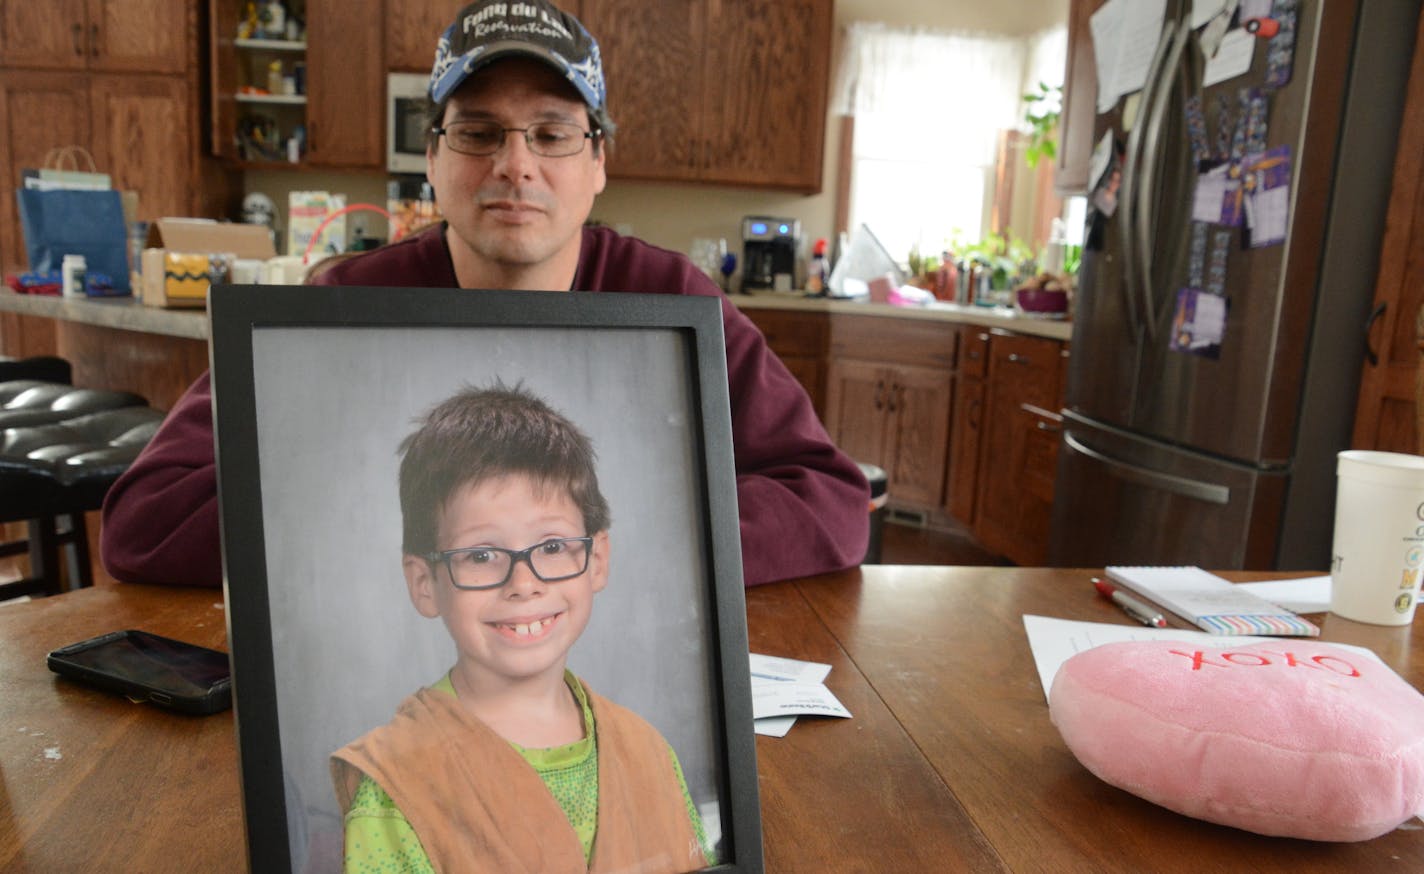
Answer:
[(962, 478), (918, 402), (143, 137), (765, 92), (654, 61), (141, 36), (38, 111), (44, 34), (1038, 461), (856, 402), (1023, 372), (413, 27), (345, 82)]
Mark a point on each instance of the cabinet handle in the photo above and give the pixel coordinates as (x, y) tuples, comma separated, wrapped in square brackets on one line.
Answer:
[(879, 394), (890, 398), (1045, 426), (77, 32), (1016, 358), (93, 40)]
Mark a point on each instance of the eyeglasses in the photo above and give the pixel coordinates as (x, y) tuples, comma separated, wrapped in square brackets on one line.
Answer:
[(489, 567), (549, 139)]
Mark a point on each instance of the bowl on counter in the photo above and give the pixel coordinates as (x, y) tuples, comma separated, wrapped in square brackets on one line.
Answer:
[(1044, 296)]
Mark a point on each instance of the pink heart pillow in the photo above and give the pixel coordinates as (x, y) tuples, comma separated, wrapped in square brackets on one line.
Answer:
[(1293, 738)]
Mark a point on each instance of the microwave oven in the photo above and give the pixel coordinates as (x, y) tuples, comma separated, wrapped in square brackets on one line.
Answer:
[(405, 122)]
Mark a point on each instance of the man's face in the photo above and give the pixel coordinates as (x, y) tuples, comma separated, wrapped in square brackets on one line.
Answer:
[(515, 214), (522, 630)]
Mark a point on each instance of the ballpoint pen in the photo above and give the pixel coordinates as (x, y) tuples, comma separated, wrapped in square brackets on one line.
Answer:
[(1130, 605)]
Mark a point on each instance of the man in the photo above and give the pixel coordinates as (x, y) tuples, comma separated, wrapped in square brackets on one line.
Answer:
[(516, 155)]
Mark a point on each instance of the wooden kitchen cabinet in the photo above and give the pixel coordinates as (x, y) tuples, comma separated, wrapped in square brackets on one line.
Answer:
[(342, 107), (128, 36), (414, 26), (966, 424), (346, 123), (143, 129), (800, 338), (888, 398), (1388, 414), (1018, 457), (718, 91)]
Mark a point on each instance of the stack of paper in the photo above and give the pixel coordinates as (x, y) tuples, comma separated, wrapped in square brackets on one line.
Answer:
[(783, 689)]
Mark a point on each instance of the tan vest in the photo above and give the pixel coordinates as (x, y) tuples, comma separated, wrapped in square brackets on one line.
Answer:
[(477, 805)]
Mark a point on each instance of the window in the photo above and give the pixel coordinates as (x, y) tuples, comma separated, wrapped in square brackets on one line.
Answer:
[(929, 108)]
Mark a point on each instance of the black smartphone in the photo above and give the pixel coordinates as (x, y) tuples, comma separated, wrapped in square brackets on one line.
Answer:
[(146, 667)]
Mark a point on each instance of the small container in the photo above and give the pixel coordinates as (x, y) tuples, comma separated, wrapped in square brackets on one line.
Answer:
[(73, 271)]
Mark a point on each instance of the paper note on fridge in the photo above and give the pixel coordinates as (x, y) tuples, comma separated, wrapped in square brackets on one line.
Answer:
[(1232, 58), (794, 699), (1125, 38)]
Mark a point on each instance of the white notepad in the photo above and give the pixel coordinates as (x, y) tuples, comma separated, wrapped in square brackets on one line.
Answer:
[(1210, 602)]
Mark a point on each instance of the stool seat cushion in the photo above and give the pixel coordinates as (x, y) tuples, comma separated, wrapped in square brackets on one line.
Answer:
[(67, 466), (44, 402)]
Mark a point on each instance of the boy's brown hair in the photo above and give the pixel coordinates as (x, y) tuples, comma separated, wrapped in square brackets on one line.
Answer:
[(481, 433)]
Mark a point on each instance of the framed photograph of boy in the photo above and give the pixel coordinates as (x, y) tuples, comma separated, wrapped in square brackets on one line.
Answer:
[(483, 581)]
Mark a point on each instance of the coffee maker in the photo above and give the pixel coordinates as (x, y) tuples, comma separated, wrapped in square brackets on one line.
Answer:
[(769, 252)]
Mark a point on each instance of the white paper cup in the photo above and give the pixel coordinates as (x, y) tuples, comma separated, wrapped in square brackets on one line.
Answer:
[(1379, 537)]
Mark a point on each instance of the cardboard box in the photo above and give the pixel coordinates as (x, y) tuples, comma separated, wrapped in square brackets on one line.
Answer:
[(186, 255)]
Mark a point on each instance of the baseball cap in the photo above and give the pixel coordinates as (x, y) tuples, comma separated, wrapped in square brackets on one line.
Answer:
[(491, 29)]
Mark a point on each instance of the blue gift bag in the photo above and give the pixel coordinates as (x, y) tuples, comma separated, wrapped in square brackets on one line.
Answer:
[(76, 222)]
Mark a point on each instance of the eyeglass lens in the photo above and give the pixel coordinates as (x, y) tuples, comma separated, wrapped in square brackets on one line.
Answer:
[(549, 139), (551, 561)]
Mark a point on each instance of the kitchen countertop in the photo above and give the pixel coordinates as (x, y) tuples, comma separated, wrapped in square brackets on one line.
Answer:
[(1006, 318), (124, 313), (131, 315)]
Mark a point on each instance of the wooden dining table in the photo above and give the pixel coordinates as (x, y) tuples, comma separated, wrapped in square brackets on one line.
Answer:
[(948, 763)]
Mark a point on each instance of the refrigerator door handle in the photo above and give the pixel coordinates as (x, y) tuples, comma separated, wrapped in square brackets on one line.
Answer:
[(1128, 188), (1178, 485), (1144, 214)]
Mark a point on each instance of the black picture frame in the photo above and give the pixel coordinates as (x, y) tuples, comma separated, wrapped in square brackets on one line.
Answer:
[(313, 389)]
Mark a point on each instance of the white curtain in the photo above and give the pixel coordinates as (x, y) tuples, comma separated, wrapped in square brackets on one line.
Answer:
[(959, 88)]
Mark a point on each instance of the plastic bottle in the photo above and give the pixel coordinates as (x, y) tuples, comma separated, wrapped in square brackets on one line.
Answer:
[(73, 271), (816, 271)]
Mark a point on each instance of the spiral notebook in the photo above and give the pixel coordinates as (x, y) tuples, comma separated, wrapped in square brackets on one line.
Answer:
[(1210, 602)]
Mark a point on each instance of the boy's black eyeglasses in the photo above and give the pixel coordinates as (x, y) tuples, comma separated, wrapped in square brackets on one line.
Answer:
[(489, 567), (549, 139)]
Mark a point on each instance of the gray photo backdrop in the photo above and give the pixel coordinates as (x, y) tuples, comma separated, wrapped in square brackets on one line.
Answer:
[(333, 405)]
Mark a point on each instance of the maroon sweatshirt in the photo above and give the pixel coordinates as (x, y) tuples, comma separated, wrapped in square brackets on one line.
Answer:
[(802, 502)]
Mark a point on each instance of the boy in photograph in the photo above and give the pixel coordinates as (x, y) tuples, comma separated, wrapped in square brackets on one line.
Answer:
[(509, 762)]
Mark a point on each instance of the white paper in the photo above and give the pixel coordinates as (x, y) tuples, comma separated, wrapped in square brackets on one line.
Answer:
[(777, 681), (1125, 37), (765, 667), (1205, 10), (1255, 9), (773, 726), (1210, 194), (1306, 595), (1270, 211), (794, 699), (1232, 58), (1054, 641)]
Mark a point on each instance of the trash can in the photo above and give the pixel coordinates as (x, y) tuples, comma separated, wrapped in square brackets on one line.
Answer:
[(878, 497)]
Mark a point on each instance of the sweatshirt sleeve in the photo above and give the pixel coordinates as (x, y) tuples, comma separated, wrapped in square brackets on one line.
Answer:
[(160, 519), (804, 506)]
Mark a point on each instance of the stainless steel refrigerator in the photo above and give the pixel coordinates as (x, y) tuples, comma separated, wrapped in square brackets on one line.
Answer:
[(1185, 451)]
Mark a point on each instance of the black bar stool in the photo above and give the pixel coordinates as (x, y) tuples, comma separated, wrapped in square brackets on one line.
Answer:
[(60, 470)]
